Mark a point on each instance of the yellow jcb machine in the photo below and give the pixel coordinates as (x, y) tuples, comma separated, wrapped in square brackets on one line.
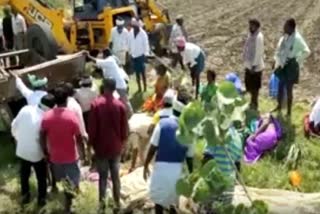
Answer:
[(50, 32)]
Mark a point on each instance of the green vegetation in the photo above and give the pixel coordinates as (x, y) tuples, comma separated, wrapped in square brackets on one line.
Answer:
[(269, 172)]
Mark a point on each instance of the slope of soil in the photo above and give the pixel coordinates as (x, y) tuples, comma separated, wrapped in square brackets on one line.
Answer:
[(220, 27)]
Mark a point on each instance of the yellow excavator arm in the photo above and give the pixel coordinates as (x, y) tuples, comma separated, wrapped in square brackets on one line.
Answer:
[(34, 12)]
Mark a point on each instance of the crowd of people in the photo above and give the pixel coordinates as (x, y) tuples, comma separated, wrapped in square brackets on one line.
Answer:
[(57, 128)]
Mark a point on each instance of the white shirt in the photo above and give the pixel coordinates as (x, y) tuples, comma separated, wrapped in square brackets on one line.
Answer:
[(176, 32), (85, 96), (120, 41), (315, 113), (18, 24), (74, 106), (26, 130), (111, 69), (258, 60), (32, 97), (299, 50), (138, 45), (190, 54)]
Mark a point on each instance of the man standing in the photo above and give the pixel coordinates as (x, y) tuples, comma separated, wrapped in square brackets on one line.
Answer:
[(111, 69), (19, 28), (291, 52), (253, 55), (119, 41), (26, 130), (178, 30), (170, 155), (108, 132), (85, 95), (193, 56), (60, 132), (7, 28), (138, 49), (39, 86)]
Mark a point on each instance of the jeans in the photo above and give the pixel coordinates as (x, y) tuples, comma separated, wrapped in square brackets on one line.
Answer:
[(40, 169), (104, 165)]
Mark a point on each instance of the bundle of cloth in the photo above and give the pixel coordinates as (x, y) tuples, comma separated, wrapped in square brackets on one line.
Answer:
[(312, 121), (266, 135)]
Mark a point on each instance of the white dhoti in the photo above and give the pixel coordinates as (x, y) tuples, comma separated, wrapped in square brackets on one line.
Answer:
[(163, 183), (121, 55)]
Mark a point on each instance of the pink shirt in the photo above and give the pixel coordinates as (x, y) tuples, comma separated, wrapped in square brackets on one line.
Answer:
[(61, 126)]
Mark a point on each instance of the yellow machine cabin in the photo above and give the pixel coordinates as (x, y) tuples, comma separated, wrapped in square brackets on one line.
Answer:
[(50, 31)]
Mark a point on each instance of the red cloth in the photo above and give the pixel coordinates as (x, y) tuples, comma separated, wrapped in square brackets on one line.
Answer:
[(309, 127), (108, 126), (61, 126)]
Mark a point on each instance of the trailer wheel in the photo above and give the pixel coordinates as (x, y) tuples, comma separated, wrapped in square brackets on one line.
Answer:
[(41, 43)]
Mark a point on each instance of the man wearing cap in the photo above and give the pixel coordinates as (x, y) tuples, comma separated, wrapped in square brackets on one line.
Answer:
[(178, 30), (169, 157), (193, 56), (34, 96), (119, 42), (26, 130), (138, 49)]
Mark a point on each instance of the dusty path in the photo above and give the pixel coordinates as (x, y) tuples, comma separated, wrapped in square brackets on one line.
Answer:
[(220, 27)]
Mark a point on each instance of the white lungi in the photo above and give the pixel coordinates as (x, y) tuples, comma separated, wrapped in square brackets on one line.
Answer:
[(163, 183)]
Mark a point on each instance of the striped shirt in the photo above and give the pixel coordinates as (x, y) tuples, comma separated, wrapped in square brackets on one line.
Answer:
[(234, 147)]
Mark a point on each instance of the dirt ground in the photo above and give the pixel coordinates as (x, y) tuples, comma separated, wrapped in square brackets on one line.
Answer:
[(220, 27)]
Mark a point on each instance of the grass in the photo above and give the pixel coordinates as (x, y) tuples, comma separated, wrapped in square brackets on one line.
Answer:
[(269, 172)]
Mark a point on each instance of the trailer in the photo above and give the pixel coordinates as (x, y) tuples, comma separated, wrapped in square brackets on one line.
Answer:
[(66, 68)]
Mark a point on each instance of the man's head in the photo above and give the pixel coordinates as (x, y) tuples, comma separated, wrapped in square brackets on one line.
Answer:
[(69, 89), (47, 102), (86, 81), (14, 12), (120, 24), (181, 43), (290, 26), (183, 99), (135, 25), (161, 70), (180, 20), (106, 53), (60, 96), (109, 85), (254, 25), (7, 11), (168, 98), (211, 76)]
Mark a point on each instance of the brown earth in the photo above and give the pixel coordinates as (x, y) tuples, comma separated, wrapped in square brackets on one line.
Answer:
[(220, 27)]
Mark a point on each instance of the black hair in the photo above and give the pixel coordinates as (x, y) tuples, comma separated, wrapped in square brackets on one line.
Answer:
[(60, 95), (183, 97), (109, 84), (48, 100), (167, 105), (255, 22), (106, 53), (212, 74), (69, 88), (291, 23)]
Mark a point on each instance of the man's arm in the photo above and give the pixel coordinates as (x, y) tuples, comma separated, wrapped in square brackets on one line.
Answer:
[(277, 59), (259, 53), (24, 24), (92, 126), (303, 50), (43, 143), (146, 44), (23, 89), (124, 124), (152, 151)]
